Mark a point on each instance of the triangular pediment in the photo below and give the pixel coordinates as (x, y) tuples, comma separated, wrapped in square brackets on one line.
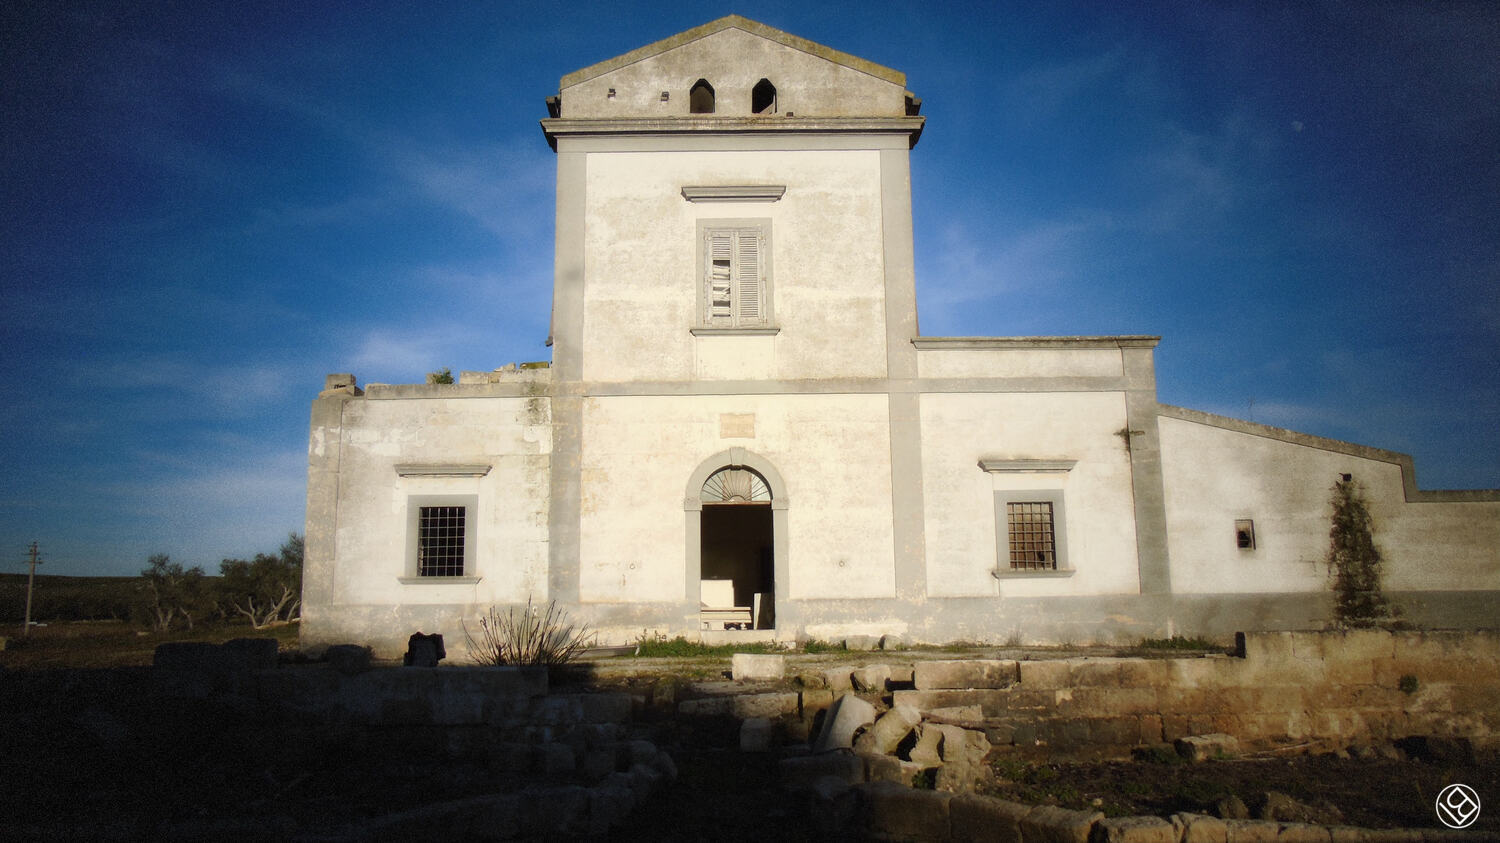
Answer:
[(743, 67), (786, 39)]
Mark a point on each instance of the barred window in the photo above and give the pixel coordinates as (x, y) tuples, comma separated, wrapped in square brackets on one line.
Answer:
[(1033, 539), (440, 541)]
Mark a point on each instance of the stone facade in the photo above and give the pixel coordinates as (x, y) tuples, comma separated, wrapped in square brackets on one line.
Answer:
[(734, 290)]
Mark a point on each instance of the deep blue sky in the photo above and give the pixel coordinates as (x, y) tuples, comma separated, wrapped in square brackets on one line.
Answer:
[(208, 206)]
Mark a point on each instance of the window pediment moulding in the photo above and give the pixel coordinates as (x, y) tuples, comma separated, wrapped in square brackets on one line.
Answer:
[(442, 470), (734, 193), (995, 464)]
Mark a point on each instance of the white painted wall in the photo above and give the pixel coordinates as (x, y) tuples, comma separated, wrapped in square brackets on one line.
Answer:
[(642, 271), (1214, 475), (513, 435), (833, 451), (959, 429), (1019, 362)]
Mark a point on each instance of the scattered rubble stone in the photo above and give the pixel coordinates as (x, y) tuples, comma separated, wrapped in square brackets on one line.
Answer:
[(847, 714), (1283, 808), (1232, 808), (1135, 830), (873, 677), (802, 770), (891, 728), (1200, 828), (755, 735), (1203, 747), (754, 666), (928, 749)]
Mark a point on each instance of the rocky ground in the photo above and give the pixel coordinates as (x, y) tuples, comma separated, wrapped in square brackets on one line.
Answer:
[(94, 753), (1373, 793)]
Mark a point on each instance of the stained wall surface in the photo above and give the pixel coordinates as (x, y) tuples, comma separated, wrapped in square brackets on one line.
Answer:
[(1217, 471)]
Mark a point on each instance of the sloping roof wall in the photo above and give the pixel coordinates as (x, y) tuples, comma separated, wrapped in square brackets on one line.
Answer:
[(733, 54)]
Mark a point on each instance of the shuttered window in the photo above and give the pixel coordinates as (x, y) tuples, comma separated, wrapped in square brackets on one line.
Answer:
[(734, 277)]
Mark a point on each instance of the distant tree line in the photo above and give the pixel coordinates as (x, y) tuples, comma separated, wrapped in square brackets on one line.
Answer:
[(166, 595), (265, 590), (63, 598)]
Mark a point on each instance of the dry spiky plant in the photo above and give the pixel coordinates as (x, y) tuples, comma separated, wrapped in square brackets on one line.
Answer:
[(528, 636)]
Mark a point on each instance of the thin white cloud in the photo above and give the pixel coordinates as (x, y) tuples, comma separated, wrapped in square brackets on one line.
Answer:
[(220, 510), (395, 350), (505, 188), (1043, 92), (166, 382), (1188, 177), (981, 265)]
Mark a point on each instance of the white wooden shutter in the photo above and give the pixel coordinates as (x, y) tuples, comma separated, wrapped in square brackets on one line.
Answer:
[(748, 284), (718, 277)]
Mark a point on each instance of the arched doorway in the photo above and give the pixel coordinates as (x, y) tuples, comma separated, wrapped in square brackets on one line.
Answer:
[(736, 553)]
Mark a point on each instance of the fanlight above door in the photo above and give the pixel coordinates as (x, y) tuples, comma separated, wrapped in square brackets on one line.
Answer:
[(735, 485)]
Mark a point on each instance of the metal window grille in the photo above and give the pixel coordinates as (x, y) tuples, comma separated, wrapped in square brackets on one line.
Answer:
[(440, 541), (1033, 543)]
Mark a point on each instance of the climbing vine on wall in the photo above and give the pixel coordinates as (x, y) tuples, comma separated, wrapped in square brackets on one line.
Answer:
[(1354, 560)]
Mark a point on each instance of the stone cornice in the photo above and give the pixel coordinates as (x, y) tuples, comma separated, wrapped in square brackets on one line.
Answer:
[(556, 127), (945, 343)]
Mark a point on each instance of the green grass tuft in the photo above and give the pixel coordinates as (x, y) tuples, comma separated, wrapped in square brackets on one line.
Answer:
[(681, 648), (1178, 642)]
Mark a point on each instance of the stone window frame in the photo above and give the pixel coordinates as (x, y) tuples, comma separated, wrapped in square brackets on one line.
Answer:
[(765, 324), (1057, 496), (414, 503)]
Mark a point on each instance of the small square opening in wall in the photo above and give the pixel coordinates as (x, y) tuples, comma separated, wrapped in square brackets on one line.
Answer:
[(1244, 534)]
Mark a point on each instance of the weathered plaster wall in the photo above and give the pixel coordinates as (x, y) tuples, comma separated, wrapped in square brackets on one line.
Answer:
[(958, 430), (733, 61), (1214, 475), (832, 450), (1019, 363), (366, 537), (642, 266)]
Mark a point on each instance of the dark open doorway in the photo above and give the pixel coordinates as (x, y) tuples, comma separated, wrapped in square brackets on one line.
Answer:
[(738, 564)]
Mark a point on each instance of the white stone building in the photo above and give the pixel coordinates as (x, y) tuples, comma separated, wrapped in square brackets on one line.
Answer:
[(742, 425)]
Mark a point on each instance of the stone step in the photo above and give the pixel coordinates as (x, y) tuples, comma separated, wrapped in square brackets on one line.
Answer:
[(969, 673)]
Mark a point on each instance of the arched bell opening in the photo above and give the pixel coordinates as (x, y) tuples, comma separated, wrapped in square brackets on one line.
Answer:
[(701, 98), (763, 98)]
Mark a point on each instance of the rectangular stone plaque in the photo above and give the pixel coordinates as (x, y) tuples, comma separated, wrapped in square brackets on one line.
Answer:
[(736, 425)]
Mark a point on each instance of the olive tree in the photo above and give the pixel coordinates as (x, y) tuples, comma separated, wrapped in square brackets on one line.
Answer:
[(268, 588), (171, 592)]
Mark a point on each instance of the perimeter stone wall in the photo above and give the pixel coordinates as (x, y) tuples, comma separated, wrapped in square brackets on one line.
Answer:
[(1280, 688)]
